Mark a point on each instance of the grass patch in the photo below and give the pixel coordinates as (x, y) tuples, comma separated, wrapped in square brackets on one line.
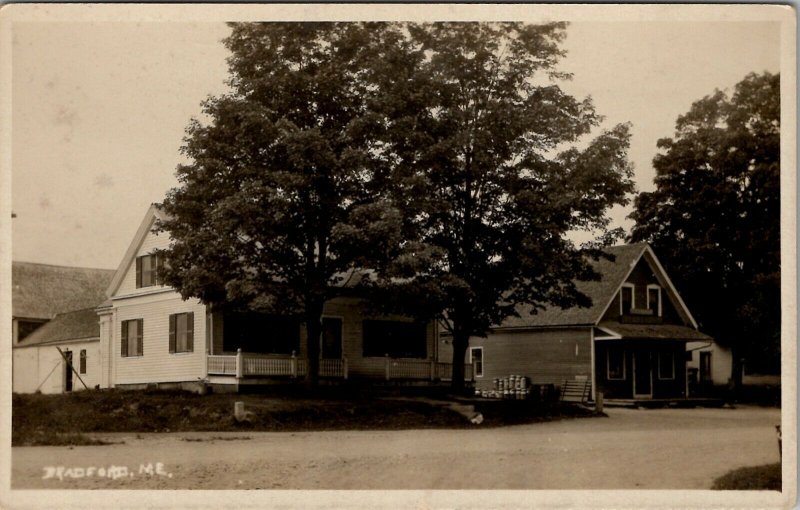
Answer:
[(60, 419), (500, 413), (767, 477), (46, 419), (50, 438)]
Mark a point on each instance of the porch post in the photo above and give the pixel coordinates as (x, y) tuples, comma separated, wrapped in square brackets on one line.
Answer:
[(344, 367), (386, 365), (433, 369), (239, 363), (294, 364)]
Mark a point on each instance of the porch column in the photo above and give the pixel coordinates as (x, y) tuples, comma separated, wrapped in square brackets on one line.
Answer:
[(239, 363)]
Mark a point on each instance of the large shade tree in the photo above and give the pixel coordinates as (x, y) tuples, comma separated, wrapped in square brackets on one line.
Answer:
[(714, 217), (275, 171), (490, 172)]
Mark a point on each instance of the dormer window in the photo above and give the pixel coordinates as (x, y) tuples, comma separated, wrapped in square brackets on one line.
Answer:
[(147, 269), (627, 299), (654, 299)]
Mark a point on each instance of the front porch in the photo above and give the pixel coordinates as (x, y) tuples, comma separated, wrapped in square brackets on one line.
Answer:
[(254, 368)]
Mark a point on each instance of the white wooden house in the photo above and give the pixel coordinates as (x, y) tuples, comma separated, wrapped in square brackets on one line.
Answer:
[(150, 336)]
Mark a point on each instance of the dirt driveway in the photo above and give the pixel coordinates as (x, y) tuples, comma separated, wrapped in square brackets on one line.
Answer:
[(631, 449)]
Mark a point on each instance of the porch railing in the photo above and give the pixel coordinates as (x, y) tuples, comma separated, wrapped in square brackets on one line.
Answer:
[(244, 364), (221, 365), (404, 368), (249, 364)]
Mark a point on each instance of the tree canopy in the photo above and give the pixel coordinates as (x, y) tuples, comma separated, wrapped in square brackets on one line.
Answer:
[(445, 158), (275, 172), (488, 175), (714, 217)]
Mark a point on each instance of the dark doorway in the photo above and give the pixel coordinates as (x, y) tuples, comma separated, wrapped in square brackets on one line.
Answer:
[(331, 338), (643, 374), (68, 379)]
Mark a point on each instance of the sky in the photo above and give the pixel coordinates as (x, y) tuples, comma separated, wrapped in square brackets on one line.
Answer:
[(99, 112)]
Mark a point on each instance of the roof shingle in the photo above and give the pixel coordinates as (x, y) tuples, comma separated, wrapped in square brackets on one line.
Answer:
[(654, 331), (600, 292), (80, 324), (42, 291)]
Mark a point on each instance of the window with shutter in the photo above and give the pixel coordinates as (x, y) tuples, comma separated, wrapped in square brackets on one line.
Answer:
[(148, 269), (181, 332), (132, 338)]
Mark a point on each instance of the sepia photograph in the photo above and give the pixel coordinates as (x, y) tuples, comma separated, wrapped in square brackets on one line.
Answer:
[(427, 256)]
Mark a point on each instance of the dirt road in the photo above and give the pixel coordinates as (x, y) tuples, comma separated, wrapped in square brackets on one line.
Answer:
[(631, 449)]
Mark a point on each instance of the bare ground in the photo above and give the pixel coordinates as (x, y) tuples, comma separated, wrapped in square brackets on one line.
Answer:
[(631, 449)]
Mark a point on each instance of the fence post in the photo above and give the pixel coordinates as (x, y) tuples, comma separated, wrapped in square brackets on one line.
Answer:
[(344, 367), (433, 369), (386, 366), (239, 363), (294, 364)]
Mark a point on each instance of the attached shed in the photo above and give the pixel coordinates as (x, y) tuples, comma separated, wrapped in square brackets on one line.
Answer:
[(39, 366)]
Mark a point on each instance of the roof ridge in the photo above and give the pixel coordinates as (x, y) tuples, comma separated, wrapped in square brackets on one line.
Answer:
[(24, 262)]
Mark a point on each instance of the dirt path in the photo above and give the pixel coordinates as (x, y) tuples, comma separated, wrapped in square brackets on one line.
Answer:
[(632, 449)]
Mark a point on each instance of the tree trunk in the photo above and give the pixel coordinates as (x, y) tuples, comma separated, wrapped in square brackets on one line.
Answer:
[(460, 343), (313, 336), (737, 362)]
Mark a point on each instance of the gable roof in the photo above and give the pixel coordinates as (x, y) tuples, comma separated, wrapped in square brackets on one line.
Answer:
[(144, 228), (613, 273), (78, 325), (41, 291)]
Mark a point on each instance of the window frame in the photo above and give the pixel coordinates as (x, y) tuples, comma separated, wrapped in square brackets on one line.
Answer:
[(370, 353), (156, 266), (125, 340), (624, 354), (472, 360), (674, 367), (622, 301), (25, 323), (705, 355), (188, 338), (339, 318), (82, 362), (654, 286)]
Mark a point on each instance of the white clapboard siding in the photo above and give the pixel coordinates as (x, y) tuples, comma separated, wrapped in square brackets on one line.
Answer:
[(157, 364), (150, 243), (352, 312)]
